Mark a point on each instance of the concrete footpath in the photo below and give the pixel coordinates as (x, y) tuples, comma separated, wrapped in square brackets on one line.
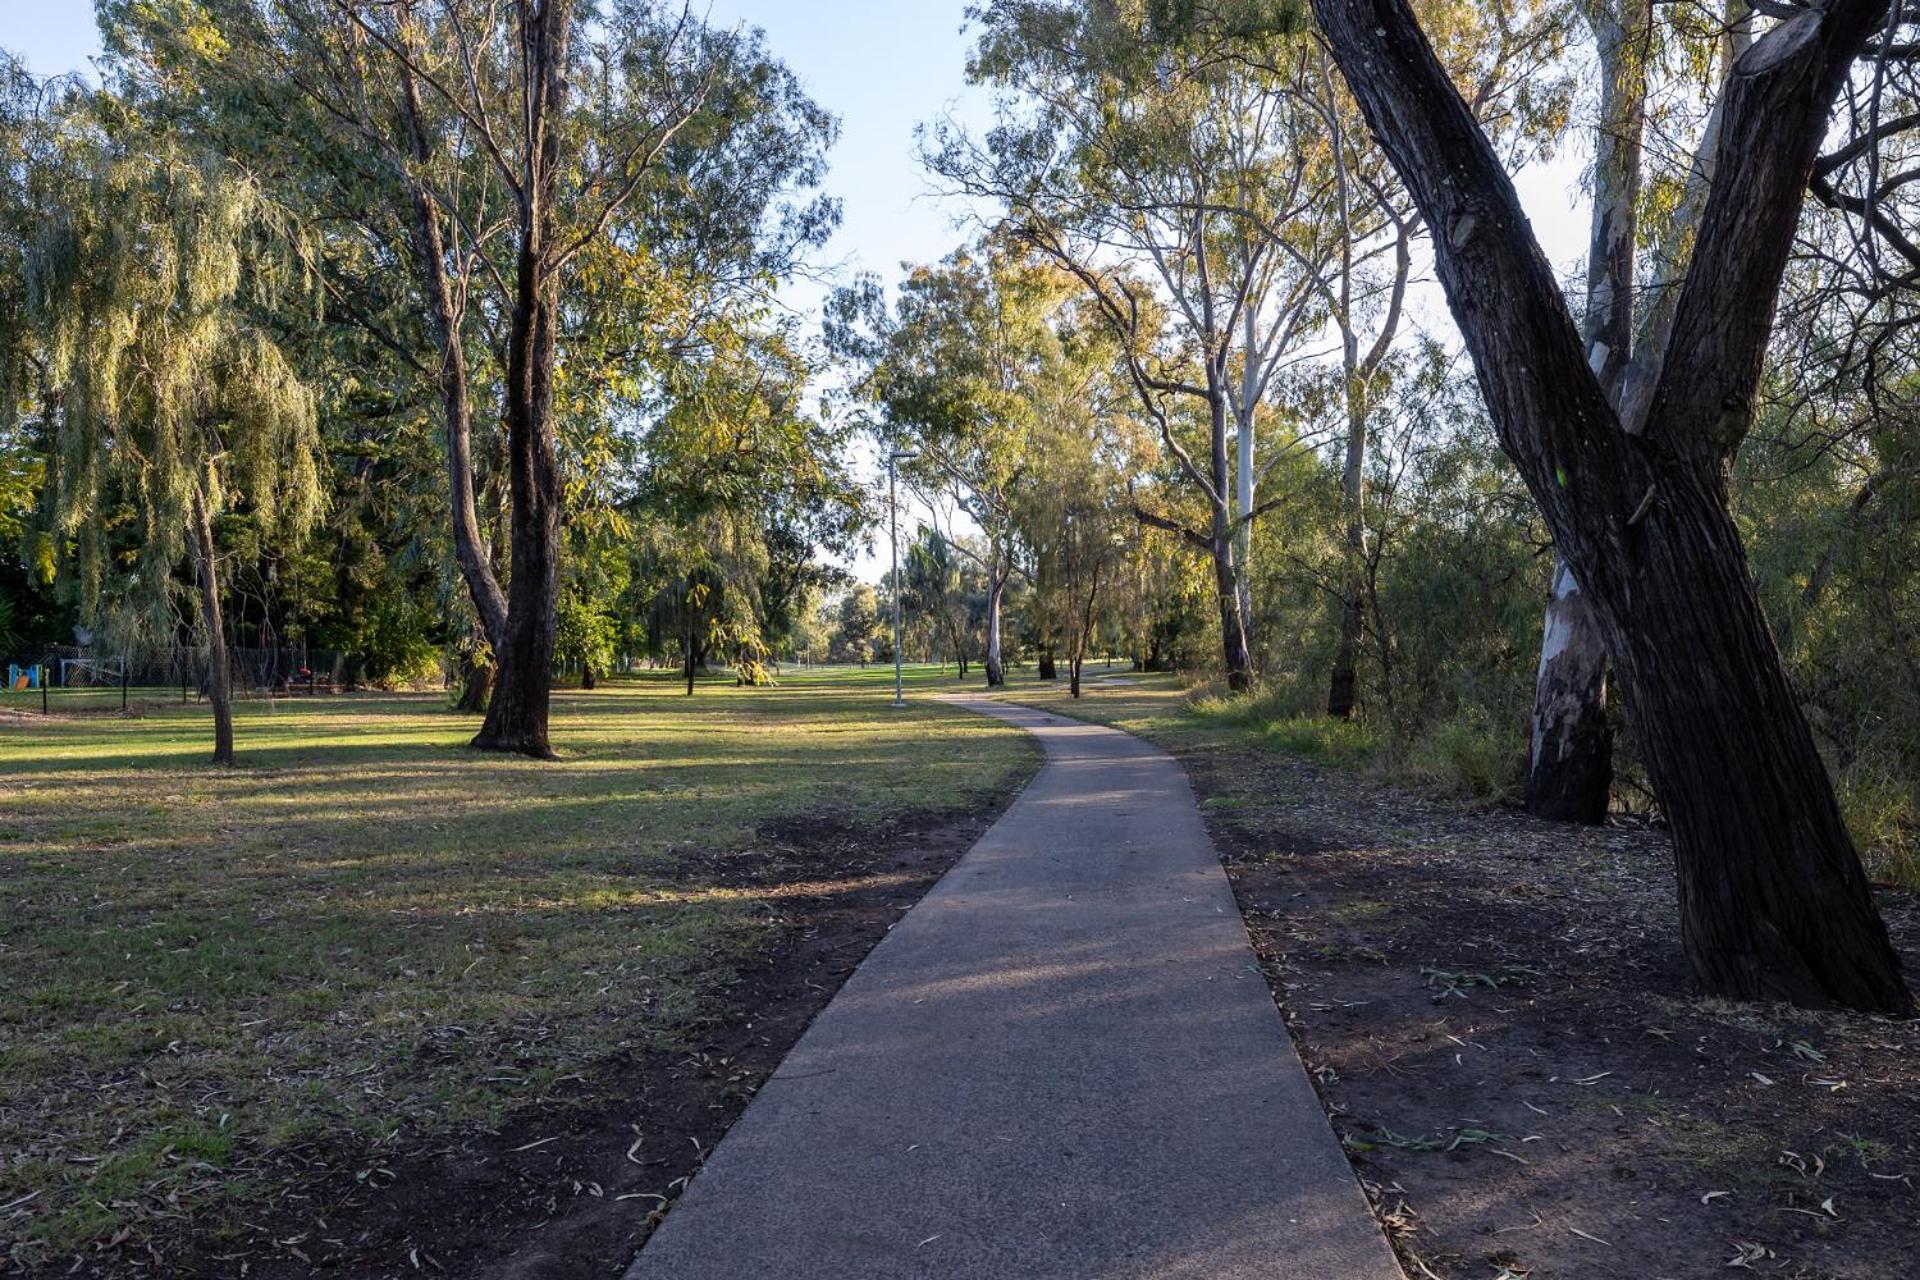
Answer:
[(1062, 1063)]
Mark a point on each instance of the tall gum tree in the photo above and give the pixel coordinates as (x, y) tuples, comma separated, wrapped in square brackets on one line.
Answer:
[(1774, 902)]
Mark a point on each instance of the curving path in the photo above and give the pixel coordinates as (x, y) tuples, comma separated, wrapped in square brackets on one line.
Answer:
[(1062, 1063)]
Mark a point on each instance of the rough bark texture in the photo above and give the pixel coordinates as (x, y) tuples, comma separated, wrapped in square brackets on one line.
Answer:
[(219, 672), (1049, 666), (517, 716), (1774, 902)]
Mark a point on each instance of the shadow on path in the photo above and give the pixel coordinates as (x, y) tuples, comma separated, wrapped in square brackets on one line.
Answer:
[(1062, 1063)]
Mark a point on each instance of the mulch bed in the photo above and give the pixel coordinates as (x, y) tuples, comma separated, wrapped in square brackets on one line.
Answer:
[(1498, 1017), (572, 1189)]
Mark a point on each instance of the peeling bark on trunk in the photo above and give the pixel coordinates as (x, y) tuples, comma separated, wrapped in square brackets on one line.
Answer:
[(996, 585), (1570, 769), (219, 672), (1774, 903), (1570, 763)]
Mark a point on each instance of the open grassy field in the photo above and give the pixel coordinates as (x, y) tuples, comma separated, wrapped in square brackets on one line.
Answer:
[(367, 937)]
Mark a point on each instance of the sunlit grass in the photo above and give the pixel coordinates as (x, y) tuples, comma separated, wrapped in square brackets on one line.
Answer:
[(368, 934)]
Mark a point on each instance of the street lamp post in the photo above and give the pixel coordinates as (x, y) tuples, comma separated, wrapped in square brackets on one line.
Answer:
[(893, 536)]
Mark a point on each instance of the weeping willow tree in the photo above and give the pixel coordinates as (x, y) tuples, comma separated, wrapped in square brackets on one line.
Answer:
[(148, 286)]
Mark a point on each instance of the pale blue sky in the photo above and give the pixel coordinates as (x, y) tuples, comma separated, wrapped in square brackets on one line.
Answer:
[(882, 66)]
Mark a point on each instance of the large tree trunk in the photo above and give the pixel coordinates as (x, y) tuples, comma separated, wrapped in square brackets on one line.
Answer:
[(1049, 666), (1570, 763), (517, 716), (219, 672), (1774, 902)]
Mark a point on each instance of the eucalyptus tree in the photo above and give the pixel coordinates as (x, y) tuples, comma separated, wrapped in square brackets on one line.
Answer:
[(161, 283), (955, 369), (1774, 902), (474, 166), (1163, 179)]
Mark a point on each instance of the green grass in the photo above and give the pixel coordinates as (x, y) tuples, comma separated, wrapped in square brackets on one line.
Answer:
[(367, 934)]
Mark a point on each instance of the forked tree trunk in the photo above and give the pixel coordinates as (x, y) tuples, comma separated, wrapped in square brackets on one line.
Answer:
[(219, 673), (1774, 903), (1570, 762)]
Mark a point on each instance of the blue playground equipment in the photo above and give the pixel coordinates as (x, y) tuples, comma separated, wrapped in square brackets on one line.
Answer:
[(19, 677)]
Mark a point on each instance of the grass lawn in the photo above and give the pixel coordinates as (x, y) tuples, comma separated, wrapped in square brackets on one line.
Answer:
[(367, 937)]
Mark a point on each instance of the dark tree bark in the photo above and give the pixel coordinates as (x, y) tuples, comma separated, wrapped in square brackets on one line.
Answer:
[(517, 716), (219, 672), (586, 675), (1049, 667), (1774, 902)]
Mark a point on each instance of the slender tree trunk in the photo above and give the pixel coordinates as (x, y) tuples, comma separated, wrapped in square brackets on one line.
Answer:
[(996, 584), (1570, 764), (1073, 676), (219, 672), (1243, 492), (469, 544), (1237, 658), (517, 715), (1343, 687)]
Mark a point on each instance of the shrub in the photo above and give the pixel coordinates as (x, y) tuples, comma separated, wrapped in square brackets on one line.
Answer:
[(1464, 757)]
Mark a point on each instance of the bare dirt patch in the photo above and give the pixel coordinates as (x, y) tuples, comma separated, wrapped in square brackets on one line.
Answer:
[(1498, 1017)]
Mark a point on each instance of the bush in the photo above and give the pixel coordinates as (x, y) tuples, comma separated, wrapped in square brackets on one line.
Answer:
[(1463, 757), (1277, 718), (1882, 814)]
